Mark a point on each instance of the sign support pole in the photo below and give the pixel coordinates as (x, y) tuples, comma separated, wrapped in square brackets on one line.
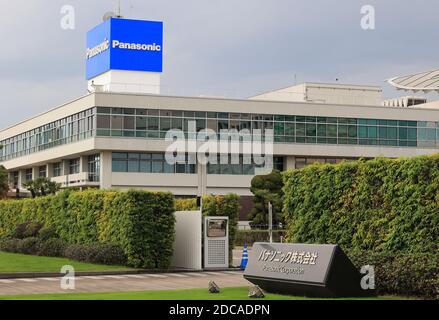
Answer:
[(270, 221)]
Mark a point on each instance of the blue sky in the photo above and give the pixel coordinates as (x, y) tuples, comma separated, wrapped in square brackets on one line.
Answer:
[(222, 48)]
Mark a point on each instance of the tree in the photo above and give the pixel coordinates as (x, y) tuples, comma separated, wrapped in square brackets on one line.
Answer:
[(41, 187), (267, 188), (4, 186)]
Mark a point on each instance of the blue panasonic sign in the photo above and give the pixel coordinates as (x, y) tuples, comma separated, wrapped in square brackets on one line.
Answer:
[(123, 44)]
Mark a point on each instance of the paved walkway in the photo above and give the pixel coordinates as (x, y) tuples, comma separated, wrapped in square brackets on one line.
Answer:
[(137, 282)]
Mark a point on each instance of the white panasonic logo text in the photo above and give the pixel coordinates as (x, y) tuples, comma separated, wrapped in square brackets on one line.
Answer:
[(136, 46), (104, 46)]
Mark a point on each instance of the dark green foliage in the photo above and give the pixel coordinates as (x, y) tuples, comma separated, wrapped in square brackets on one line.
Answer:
[(141, 223), (4, 187), (41, 187), (10, 245), (227, 206), (28, 246), (47, 233), (51, 248), (267, 188), (27, 230), (251, 236), (382, 205), (100, 253), (404, 274)]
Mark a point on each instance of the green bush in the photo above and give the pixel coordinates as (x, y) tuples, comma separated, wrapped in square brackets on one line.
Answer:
[(141, 223), (28, 246), (10, 245), (186, 204), (101, 253), (251, 236), (51, 248), (381, 205), (404, 274), (27, 229), (227, 206), (47, 233)]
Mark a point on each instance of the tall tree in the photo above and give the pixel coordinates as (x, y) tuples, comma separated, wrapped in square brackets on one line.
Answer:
[(267, 188)]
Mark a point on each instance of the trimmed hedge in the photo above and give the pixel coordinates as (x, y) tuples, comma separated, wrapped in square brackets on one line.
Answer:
[(380, 205), (101, 253), (186, 204), (140, 222), (408, 274), (251, 236)]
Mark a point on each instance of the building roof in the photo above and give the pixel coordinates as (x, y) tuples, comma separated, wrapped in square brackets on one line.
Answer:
[(424, 81)]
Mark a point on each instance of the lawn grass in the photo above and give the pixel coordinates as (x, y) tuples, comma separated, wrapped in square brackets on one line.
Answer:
[(239, 293), (12, 262)]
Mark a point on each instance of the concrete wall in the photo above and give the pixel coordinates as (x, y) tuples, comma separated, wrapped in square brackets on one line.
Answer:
[(188, 240)]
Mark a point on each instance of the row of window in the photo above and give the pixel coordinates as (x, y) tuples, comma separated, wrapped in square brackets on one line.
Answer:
[(73, 167), (67, 130), (151, 163), (154, 123), (156, 163)]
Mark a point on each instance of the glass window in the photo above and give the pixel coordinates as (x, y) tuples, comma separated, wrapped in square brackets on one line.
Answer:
[(352, 131), (103, 122), (120, 166), (145, 166), (165, 124), (57, 169), (74, 166), (177, 123), (42, 171), (141, 123), (342, 131), (128, 123), (133, 166), (403, 133), (300, 129), (116, 122), (223, 124), (311, 130), (153, 123), (372, 132), (129, 111), (332, 130), (157, 166), (412, 134)]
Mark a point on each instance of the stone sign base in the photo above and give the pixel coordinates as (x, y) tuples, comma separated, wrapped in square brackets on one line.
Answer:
[(304, 270)]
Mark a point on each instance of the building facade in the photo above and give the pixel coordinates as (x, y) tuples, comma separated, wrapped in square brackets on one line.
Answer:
[(117, 140)]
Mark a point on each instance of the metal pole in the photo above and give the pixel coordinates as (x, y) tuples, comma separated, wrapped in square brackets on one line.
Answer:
[(270, 221)]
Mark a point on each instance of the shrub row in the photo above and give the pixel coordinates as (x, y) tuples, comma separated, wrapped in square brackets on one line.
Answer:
[(403, 274), (380, 205), (186, 204), (251, 236), (100, 253), (140, 222)]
